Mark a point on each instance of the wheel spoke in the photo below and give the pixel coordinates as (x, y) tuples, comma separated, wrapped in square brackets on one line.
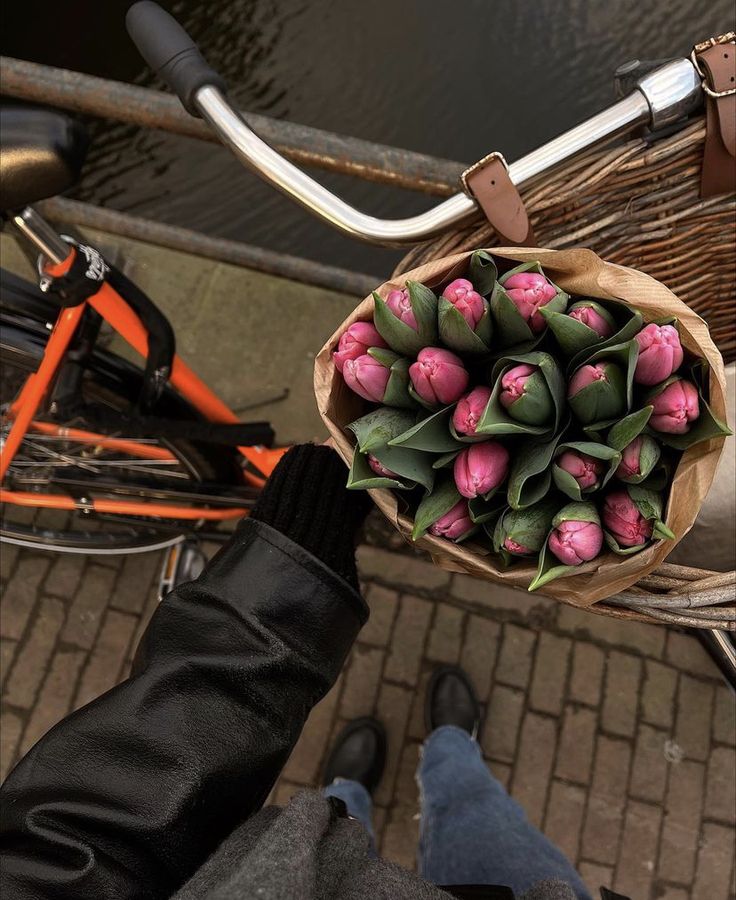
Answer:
[(60, 457), (81, 459)]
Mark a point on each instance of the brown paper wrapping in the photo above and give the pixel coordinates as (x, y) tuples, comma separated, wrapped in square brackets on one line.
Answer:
[(577, 272)]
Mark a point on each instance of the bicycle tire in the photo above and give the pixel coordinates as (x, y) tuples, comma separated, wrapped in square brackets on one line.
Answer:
[(115, 382)]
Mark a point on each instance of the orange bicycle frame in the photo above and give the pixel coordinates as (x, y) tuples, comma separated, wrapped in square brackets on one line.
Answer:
[(114, 310)]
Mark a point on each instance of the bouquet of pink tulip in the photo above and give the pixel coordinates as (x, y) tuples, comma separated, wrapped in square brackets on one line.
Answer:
[(507, 410), (546, 427)]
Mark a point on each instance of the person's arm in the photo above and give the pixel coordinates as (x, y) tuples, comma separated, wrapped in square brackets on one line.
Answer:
[(129, 795)]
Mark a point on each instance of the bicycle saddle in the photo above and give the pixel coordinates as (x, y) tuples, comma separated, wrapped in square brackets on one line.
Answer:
[(41, 154)]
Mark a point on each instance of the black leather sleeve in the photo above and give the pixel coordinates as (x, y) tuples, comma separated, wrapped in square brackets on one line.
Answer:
[(129, 795)]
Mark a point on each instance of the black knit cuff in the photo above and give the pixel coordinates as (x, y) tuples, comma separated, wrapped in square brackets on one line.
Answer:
[(306, 499)]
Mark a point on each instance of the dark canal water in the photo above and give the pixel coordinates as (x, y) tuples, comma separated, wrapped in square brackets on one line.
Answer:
[(453, 78)]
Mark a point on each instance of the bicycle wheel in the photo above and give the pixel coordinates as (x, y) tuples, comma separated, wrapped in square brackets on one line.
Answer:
[(52, 463)]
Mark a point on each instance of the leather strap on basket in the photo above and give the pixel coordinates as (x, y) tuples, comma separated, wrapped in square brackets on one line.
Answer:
[(489, 183), (715, 60)]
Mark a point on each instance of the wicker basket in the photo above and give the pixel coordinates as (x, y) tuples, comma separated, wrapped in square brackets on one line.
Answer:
[(637, 202)]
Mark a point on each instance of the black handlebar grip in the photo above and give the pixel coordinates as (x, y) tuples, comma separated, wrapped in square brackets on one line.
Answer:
[(170, 52)]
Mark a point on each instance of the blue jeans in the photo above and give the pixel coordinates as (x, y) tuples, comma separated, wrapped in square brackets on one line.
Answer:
[(471, 831), (357, 799)]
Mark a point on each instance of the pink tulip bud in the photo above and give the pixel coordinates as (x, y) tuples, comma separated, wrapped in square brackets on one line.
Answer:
[(355, 342), (624, 521), (438, 376), (586, 470), (590, 316), (400, 305), (469, 409), (453, 524), (379, 468), (480, 468), (574, 543), (630, 466), (529, 291), (675, 408), (638, 458), (584, 376), (466, 301), (660, 353), (366, 377), (512, 383), (515, 548)]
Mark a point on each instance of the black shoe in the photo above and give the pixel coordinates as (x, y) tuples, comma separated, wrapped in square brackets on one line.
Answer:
[(359, 754), (451, 700)]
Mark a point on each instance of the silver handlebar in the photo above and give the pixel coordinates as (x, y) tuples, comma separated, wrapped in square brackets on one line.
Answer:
[(661, 98)]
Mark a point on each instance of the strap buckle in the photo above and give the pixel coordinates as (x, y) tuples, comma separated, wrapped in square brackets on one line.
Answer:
[(728, 38), (479, 165)]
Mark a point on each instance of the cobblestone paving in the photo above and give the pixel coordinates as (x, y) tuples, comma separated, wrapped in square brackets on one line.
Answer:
[(618, 739)]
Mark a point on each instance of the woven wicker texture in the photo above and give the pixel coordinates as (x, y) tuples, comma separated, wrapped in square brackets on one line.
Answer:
[(636, 202)]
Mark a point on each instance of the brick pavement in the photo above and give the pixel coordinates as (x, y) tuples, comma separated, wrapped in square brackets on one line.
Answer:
[(617, 738)]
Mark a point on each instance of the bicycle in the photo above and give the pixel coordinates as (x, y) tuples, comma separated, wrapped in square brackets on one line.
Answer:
[(202, 468), (141, 414), (131, 459)]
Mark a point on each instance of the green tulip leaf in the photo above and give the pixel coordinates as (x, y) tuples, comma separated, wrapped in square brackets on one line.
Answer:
[(584, 511), (565, 482), (601, 402), (424, 304), (574, 337), (649, 457), (496, 420), (456, 334), (626, 333), (397, 388), (535, 406), (407, 464), (400, 336), (550, 568), (650, 504), (655, 477), (550, 369), (467, 438), (434, 506), (484, 512), (661, 531), (446, 460), (613, 544), (530, 477), (397, 334), (625, 355), (431, 434), (378, 427), (384, 356), (528, 527), (511, 326), (482, 272), (362, 477), (570, 334), (630, 427)]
